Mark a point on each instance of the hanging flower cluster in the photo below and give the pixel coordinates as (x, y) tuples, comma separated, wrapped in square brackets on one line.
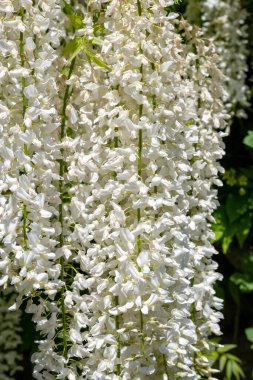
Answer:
[(31, 32), (110, 121), (10, 338), (224, 21)]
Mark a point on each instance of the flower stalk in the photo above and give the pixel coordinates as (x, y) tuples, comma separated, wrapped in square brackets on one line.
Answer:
[(117, 317), (140, 147)]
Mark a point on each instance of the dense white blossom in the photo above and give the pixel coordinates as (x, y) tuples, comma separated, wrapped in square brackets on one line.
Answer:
[(224, 21), (109, 158), (31, 33)]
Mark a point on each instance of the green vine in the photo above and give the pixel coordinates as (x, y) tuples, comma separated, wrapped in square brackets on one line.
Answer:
[(117, 317), (117, 325)]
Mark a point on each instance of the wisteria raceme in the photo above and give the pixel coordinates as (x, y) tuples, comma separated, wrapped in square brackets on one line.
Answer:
[(224, 21), (111, 132), (10, 338), (29, 148)]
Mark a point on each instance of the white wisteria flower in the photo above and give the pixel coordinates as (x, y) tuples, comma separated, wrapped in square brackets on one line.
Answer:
[(111, 126), (224, 22)]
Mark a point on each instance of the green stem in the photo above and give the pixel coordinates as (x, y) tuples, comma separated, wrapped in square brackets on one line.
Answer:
[(142, 334), (25, 227), (139, 242), (117, 317), (64, 322), (66, 99), (139, 7), (117, 325), (154, 106), (61, 183), (24, 107), (116, 139), (140, 154), (139, 168)]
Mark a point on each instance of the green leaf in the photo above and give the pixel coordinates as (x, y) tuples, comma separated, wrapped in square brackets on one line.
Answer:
[(94, 58), (234, 358), (67, 9), (73, 48), (236, 206), (73, 45), (243, 228), (213, 356), (65, 71), (218, 230), (99, 29), (229, 370), (226, 242), (226, 348), (249, 333), (248, 140), (237, 371), (222, 362), (77, 20), (243, 281), (233, 221), (97, 41), (220, 223)]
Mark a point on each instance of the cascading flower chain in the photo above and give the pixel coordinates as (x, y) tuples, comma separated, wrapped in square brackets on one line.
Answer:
[(224, 21), (111, 131)]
